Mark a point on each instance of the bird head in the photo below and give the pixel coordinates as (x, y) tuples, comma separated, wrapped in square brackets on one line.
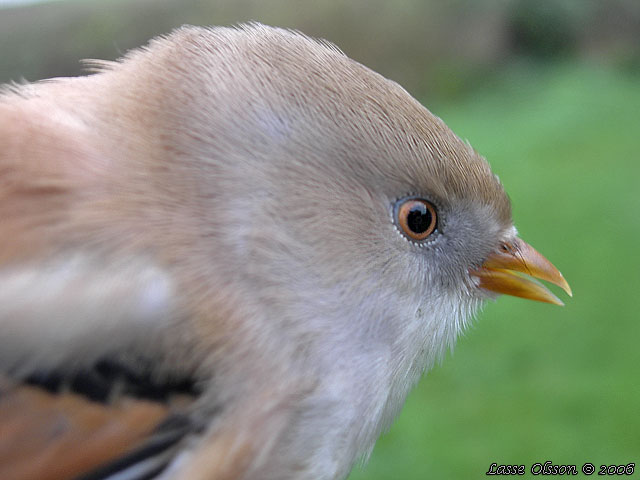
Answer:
[(333, 191), (336, 203)]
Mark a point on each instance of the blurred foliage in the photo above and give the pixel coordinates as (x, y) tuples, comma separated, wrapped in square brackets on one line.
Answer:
[(549, 92), (433, 48)]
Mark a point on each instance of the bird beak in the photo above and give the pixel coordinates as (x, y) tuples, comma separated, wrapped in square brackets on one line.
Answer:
[(503, 270)]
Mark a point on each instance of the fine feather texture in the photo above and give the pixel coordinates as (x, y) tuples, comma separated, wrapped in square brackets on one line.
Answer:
[(37, 430), (218, 206), (120, 303)]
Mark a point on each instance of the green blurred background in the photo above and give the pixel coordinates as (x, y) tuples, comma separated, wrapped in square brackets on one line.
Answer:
[(549, 92)]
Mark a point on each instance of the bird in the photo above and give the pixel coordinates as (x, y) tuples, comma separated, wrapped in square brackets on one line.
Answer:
[(230, 255)]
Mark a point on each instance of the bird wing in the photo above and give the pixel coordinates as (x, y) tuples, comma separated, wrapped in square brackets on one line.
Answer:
[(79, 397), (82, 318), (46, 435)]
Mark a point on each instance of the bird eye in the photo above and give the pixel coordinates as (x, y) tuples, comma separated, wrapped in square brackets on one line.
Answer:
[(416, 217)]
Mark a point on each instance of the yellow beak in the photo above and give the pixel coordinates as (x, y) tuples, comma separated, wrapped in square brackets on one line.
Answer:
[(502, 273)]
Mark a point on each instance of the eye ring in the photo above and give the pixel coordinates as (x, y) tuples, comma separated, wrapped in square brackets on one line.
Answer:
[(417, 218)]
